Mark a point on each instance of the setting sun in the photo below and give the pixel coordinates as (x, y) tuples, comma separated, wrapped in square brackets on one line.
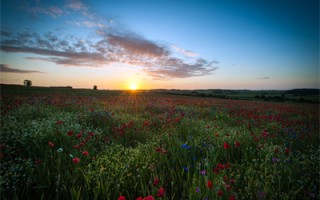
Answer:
[(133, 86)]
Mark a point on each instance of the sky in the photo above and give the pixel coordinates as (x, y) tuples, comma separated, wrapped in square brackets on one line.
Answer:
[(161, 44)]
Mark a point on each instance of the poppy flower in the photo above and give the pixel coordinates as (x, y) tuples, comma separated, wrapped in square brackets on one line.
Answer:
[(287, 151), (150, 197), (155, 182), (226, 145), (85, 153), (232, 197), (209, 184), (122, 198), (76, 160), (220, 193), (50, 144), (237, 144), (139, 198), (160, 192), (70, 133), (79, 135)]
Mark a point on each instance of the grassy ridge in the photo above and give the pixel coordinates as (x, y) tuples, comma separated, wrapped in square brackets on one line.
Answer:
[(83, 144)]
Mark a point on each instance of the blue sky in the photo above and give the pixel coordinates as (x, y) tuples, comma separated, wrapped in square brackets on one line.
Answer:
[(248, 44)]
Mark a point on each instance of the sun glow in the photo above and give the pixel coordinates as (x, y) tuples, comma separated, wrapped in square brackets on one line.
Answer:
[(133, 86)]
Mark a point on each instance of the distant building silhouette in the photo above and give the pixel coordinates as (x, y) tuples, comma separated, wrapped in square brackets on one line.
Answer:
[(95, 87), (27, 83)]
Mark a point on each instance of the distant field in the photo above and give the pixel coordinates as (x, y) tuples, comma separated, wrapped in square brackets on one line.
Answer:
[(63, 143), (296, 96)]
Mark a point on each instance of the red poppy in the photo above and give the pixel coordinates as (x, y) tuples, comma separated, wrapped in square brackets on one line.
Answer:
[(139, 198), (76, 160), (220, 193), (122, 198), (79, 135), (160, 192), (150, 197), (155, 182), (232, 197), (70, 133), (50, 144), (209, 184), (226, 145), (237, 144), (287, 150), (76, 146), (85, 153)]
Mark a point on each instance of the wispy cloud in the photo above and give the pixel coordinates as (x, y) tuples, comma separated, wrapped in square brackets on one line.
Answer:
[(137, 46), (184, 52), (35, 8), (264, 78), (76, 5), (7, 68)]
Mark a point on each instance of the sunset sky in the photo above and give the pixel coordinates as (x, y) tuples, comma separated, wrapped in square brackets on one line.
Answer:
[(170, 44)]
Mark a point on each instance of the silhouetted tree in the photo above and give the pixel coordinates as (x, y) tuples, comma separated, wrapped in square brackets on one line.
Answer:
[(95, 87), (27, 83)]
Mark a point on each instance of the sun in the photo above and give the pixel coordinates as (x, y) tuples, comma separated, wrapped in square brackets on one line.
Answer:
[(133, 86)]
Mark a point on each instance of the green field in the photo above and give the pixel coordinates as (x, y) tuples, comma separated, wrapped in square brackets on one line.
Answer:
[(60, 143)]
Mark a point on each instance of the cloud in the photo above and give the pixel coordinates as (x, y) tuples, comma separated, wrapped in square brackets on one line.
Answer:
[(264, 78), (76, 5), (155, 59), (137, 46), (52, 11), (184, 52), (7, 68)]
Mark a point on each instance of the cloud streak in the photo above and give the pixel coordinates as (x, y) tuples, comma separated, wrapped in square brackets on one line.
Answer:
[(7, 68), (264, 78), (184, 52)]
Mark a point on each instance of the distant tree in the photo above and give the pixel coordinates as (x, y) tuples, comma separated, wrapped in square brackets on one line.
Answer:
[(257, 97), (95, 87), (27, 83)]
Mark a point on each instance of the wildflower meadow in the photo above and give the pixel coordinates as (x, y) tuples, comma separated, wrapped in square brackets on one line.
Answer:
[(123, 145)]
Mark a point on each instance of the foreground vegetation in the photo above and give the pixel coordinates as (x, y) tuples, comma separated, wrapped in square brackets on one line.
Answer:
[(130, 145)]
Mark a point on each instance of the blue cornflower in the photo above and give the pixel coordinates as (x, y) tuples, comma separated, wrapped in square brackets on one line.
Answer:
[(185, 168), (185, 146)]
